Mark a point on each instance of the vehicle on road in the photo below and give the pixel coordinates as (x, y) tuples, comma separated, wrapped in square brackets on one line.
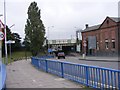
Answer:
[(61, 55)]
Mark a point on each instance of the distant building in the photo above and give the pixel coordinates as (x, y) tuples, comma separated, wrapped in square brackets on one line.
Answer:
[(62, 44), (101, 39)]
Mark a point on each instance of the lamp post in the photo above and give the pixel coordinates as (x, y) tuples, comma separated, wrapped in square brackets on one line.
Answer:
[(12, 25), (48, 37), (1, 38), (6, 60)]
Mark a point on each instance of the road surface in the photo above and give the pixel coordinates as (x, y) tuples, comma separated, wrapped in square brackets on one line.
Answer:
[(106, 64)]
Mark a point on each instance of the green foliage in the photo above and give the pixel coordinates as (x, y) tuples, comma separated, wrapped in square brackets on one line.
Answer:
[(17, 45), (34, 30), (18, 55)]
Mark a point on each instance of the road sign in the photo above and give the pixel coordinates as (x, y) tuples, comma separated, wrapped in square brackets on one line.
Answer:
[(1, 35), (10, 41)]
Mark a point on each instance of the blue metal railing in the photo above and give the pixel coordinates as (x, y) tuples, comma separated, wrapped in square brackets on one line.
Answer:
[(2, 76), (92, 76)]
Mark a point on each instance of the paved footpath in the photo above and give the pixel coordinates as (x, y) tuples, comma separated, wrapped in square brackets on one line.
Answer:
[(21, 74)]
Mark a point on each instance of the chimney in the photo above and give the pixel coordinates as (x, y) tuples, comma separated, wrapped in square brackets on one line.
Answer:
[(86, 25)]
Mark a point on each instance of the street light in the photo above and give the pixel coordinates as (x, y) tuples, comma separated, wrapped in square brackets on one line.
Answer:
[(5, 32), (1, 36), (48, 29), (48, 37), (12, 26)]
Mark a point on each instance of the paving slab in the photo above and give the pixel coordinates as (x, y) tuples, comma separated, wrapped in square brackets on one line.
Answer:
[(21, 74)]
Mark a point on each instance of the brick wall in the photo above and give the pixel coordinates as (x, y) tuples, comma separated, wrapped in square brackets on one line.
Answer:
[(106, 33)]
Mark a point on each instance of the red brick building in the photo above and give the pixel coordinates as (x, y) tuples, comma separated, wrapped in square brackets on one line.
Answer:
[(101, 39)]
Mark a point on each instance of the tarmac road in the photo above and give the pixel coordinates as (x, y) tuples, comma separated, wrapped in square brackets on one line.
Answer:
[(105, 64)]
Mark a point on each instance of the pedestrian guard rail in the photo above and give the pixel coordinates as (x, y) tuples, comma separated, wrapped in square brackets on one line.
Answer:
[(2, 76), (92, 76)]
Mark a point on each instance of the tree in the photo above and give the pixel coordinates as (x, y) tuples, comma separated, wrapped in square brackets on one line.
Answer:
[(34, 29), (17, 39), (26, 44)]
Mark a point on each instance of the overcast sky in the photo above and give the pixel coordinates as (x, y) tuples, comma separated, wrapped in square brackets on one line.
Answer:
[(65, 15)]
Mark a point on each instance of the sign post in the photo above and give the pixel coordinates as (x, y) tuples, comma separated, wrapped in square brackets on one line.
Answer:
[(10, 42)]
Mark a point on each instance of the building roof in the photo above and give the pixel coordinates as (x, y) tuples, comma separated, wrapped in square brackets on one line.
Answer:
[(96, 27), (116, 19), (91, 28)]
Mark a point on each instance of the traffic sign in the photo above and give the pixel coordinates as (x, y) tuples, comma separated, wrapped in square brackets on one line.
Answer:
[(1, 35), (10, 41)]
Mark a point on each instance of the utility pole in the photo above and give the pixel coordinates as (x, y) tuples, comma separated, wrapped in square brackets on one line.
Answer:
[(6, 60)]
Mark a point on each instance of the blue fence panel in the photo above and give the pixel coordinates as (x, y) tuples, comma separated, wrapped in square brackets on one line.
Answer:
[(35, 62), (92, 76), (75, 72), (54, 67), (42, 64), (103, 78)]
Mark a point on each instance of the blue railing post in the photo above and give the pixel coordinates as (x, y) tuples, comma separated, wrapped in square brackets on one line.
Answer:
[(46, 63), (87, 75), (62, 71), (119, 80)]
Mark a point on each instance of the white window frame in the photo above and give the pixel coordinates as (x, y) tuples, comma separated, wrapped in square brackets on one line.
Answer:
[(106, 45), (113, 40)]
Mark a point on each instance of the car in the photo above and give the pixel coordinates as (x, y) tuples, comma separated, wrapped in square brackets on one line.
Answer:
[(61, 55)]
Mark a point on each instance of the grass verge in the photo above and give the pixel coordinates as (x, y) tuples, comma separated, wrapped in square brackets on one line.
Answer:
[(17, 56)]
